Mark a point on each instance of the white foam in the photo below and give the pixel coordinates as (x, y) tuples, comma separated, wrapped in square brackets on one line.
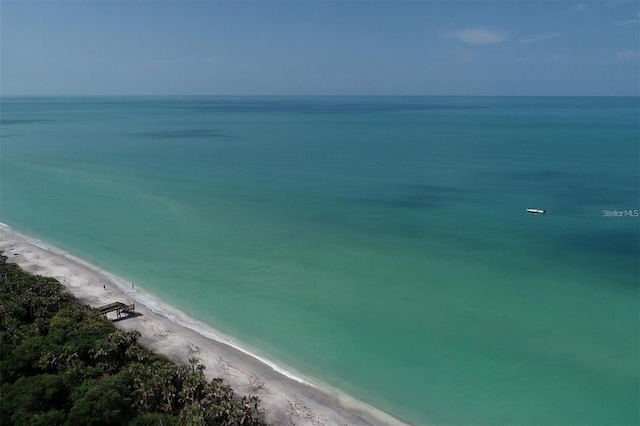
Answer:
[(156, 307)]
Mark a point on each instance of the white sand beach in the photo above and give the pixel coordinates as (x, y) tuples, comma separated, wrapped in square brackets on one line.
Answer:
[(286, 399)]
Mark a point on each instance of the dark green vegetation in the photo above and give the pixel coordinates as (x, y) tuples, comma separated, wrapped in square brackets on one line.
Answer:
[(61, 364)]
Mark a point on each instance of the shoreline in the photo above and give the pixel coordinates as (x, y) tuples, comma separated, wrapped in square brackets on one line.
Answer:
[(285, 397)]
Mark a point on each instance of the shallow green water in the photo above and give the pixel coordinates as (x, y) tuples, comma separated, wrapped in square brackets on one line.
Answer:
[(380, 245)]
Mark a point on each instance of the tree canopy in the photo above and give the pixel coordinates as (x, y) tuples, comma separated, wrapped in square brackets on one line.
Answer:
[(61, 364)]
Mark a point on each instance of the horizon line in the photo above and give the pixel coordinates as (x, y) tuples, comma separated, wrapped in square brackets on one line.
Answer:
[(302, 95)]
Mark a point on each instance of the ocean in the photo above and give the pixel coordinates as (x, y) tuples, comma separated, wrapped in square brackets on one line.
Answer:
[(379, 245)]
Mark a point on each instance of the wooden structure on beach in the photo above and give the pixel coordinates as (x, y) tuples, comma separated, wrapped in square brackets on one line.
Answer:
[(119, 307)]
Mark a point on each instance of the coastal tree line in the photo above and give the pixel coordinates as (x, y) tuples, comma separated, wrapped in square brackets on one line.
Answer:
[(61, 364)]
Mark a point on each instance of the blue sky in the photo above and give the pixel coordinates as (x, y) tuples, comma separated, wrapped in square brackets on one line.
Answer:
[(279, 47)]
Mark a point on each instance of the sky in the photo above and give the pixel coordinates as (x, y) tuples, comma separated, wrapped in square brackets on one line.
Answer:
[(321, 47)]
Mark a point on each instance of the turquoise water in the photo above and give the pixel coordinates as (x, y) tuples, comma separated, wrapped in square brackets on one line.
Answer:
[(377, 244)]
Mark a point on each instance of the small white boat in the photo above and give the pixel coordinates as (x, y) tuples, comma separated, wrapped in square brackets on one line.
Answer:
[(536, 211)]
